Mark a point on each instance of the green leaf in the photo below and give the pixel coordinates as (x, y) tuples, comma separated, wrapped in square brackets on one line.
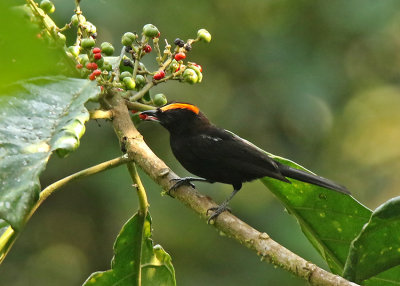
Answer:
[(37, 117), (330, 220), (377, 247), (156, 264)]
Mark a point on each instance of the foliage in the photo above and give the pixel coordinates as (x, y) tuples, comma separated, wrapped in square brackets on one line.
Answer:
[(346, 234)]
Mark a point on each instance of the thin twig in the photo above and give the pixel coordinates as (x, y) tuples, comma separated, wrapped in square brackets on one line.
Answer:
[(8, 238)]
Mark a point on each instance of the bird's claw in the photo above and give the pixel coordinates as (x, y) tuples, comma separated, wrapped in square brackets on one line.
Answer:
[(180, 182), (217, 211)]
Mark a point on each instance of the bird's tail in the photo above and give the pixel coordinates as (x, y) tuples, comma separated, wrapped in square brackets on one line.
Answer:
[(311, 178)]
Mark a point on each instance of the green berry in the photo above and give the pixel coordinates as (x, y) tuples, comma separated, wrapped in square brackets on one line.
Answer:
[(74, 50), (75, 19), (159, 99), (83, 59), (150, 31), (47, 6), (204, 35), (88, 43), (124, 75), (90, 28), (190, 76), (107, 48), (140, 81), (129, 83), (196, 68), (128, 38), (107, 66), (100, 62), (174, 66)]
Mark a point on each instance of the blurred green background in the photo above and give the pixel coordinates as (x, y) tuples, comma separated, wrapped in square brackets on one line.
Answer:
[(313, 81)]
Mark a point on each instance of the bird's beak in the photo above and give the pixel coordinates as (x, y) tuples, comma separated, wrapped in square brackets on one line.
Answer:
[(149, 115)]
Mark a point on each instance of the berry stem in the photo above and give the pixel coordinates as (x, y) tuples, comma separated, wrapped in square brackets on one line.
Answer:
[(157, 48), (138, 106), (142, 92)]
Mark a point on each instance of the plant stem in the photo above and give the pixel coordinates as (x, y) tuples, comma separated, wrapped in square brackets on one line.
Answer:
[(138, 106), (142, 92), (8, 237), (143, 207), (141, 192)]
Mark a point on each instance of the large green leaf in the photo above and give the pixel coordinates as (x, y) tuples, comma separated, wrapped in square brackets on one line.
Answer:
[(37, 117), (156, 265), (330, 220), (377, 248)]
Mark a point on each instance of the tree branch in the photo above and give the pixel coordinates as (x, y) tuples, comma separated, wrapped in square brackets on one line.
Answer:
[(233, 227)]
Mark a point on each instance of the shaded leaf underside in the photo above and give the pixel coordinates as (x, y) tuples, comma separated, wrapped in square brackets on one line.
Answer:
[(37, 117)]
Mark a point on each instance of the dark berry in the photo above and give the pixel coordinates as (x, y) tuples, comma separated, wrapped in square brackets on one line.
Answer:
[(179, 42), (94, 35), (127, 63), (188, 47), (128, 49)]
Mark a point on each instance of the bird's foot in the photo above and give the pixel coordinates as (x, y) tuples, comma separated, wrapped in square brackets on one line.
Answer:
[(182, 182), (217, 211)]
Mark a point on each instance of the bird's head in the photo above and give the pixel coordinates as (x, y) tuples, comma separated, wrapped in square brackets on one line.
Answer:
[(177, 117)]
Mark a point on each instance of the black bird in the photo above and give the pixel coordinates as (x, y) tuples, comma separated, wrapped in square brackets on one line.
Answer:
[(218, 155)]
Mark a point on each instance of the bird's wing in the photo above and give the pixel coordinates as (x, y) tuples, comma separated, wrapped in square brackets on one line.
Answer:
[(234, 154)]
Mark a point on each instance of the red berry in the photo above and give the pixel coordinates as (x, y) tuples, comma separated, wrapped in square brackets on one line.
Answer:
[(159, 75), (134, 111), (158, 35), (179, 67), (96, 50), (101, 88), (142, 116), (199, 66), (79, 66), (97, 56), (147, 48), (96, 72), (92, 76), (180, 56), (91, 66)]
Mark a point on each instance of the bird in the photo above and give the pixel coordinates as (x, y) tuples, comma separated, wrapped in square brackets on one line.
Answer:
[(218, 155)]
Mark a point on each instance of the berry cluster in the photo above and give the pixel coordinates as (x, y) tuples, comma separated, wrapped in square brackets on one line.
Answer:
[(127, 71), (171, 63)]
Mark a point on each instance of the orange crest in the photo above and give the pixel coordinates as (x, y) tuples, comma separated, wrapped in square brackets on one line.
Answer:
[(171, 106)]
